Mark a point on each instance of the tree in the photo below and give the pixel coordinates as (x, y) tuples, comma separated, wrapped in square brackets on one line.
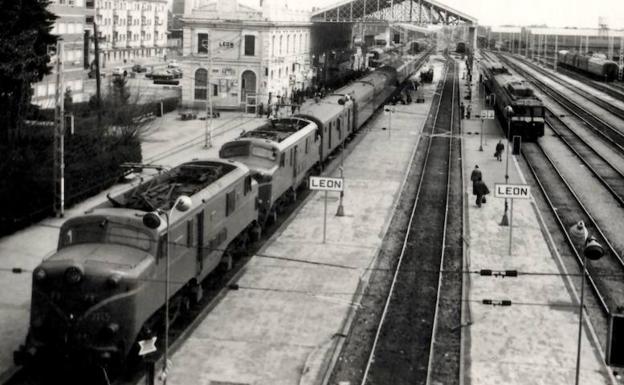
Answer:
[(24, 40)]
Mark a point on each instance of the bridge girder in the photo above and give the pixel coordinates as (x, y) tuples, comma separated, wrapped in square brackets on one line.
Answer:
[(401, 11)]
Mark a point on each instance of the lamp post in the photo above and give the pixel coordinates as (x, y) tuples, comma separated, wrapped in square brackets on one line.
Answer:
[(508, 114), (152, 220), (592, 250)]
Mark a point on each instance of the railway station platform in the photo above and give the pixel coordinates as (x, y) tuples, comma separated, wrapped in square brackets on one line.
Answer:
[(533, 341), (168, 141), (294, 297)]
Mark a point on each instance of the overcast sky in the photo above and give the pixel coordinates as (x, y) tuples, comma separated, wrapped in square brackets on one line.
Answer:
[(555, 13)]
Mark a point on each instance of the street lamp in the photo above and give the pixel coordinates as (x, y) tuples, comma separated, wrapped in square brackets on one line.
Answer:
[(592, 250), (152, 221)]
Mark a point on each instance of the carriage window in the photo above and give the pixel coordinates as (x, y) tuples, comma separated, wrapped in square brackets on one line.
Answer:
[(538, 111), (306, 146), (230, 202), (290, 159), (247, 187), (282, 160)]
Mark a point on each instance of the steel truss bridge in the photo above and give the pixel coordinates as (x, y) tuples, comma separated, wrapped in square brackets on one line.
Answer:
[(393, 11)]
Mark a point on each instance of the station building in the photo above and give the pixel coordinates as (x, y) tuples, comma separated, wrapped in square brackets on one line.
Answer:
[(238, 55)]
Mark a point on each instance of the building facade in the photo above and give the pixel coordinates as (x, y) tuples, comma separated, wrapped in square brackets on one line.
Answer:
[(74, 27), (232, 52), (131, 31)]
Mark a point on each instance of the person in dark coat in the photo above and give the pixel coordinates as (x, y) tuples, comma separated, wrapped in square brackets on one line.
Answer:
[(499, 151), (474, 177), (461, 109), (480, 189)]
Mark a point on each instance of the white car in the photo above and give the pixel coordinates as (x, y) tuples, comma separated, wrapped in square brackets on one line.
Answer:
[(119, 71)]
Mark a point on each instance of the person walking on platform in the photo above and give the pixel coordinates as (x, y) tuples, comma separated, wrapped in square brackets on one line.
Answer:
[(461, 109), (499, 151), (475, 176), (468, 111), (480, 189)]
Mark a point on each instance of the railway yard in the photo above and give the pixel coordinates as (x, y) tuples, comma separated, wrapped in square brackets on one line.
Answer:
[(344, 238)]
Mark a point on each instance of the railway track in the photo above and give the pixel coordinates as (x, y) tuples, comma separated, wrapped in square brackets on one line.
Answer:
[(604, 275), (418, 336), (608, 88), (606, 131), (594, 99), (608, 175)]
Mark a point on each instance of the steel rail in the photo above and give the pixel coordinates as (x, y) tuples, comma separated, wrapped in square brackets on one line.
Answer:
[(594, 99), (602, 298), (443, 248), (570, 105), (405, 244), (607, 165)]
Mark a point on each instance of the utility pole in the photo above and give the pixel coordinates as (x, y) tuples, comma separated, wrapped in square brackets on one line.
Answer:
[(556, 52), (98, 79), (59, 134)]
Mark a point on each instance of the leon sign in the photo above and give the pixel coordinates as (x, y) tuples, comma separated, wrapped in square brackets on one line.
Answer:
[(512, 191), (326, 184)]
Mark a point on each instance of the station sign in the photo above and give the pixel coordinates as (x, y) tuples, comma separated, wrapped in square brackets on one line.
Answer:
[(512, 191), (326, 184), (487, 114)]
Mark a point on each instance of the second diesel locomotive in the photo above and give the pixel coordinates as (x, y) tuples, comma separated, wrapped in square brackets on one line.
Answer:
[(595, 66), (506, 89), (101, 291)]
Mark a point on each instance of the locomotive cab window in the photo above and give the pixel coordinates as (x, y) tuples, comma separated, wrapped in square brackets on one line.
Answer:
[(105, 231)]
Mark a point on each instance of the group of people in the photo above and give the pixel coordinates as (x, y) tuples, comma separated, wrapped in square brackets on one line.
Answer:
[(464, 111)]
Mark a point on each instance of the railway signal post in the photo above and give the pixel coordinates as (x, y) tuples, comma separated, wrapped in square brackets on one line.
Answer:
[(511, 192), (485, 114), (326, 184)]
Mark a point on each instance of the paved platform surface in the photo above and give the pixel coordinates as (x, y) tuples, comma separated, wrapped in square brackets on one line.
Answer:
[(278, 328), (27, 247), (534, 341)]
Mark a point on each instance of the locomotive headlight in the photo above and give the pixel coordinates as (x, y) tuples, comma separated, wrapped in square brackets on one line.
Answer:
[(73, 275), (40, 274), (113, 280)]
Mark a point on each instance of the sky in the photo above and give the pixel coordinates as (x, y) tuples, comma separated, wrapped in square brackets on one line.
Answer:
[(555, 13)]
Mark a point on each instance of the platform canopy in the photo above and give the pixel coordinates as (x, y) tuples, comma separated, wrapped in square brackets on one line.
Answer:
[(396, 11)]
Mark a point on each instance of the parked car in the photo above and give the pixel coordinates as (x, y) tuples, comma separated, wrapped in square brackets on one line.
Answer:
[(91, 74), (162, 75), (173, 64), (139, 68), (119, 71), (176, 72)]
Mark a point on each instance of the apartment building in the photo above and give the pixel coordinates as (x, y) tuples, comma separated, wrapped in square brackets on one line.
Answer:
[(131, 31), (74, 28)]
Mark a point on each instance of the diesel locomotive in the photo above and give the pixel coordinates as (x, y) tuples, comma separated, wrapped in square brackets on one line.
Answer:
[(101, 291), (506, 89)]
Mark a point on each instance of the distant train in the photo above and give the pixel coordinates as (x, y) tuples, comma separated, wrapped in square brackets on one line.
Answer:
[(101, 291), (595, 66), (461, 48), (417, 46), (506, 89)]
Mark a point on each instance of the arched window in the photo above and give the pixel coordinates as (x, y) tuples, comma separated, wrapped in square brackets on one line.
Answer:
[(273, 46), (201, 84), (281, 44), (300, 43), (288, 44)]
